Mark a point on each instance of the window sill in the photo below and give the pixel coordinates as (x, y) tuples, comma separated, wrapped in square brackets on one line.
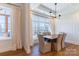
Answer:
[(5, 38)]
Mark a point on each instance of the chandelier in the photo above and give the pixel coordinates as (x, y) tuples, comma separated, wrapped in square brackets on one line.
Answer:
[(55, 12)]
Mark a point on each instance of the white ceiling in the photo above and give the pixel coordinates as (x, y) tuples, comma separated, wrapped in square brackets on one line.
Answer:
[(62, 8)]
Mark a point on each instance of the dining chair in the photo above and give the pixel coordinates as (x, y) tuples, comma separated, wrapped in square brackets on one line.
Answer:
[(57, 44), (44, 47), (63, 40)]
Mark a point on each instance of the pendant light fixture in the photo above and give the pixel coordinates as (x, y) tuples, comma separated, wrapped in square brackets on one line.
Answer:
[(55, 10)]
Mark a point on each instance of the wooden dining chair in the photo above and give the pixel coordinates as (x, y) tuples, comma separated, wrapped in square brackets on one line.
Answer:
[(63, 40), (57, 44), (44, 47)]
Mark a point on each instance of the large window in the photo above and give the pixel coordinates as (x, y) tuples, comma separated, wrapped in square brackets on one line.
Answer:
[(5, 21), (40, 24)]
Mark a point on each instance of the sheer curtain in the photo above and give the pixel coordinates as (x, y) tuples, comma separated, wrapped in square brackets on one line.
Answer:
[(16, 13), (52, 25), (16, 32)]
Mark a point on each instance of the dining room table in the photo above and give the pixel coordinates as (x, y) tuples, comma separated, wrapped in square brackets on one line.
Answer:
[(51, 39)]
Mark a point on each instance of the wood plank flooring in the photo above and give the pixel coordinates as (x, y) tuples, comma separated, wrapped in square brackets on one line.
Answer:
[(70, 50)]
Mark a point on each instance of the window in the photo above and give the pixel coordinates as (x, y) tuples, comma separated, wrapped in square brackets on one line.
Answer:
[(40, 24), (5, 21), (2, 23)]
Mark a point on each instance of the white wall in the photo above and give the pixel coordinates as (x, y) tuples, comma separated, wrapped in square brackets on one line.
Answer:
[(70, 24)]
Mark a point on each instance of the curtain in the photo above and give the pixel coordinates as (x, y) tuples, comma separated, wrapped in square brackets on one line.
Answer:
[(27, 26), (15, 25), (52, 25), (16, 42)]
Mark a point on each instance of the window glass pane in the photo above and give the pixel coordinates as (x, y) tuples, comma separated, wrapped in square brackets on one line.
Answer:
[(5, 10), (2, 24), (5, 22), (9, 24), (40, 24)]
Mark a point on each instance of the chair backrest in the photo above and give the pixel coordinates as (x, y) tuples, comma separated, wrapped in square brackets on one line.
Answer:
[(60, 37), (46, 33), (64, 34)]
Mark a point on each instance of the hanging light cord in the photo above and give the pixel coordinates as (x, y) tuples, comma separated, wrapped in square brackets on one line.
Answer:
[(55, 9)]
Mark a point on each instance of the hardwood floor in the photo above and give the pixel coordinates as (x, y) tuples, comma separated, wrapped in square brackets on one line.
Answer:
[(70, 50), (20, 52)]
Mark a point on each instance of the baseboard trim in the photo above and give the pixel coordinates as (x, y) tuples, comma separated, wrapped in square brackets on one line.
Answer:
[(72, 42)]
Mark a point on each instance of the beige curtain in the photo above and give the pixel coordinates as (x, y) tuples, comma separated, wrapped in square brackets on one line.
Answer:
[(28, 28), (16, 13), (16, 32), (52, 25)]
